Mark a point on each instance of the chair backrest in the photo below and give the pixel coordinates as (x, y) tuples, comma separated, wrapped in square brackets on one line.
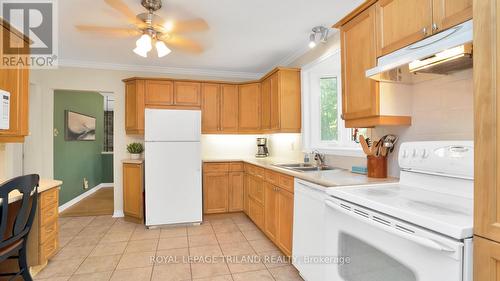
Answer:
[(12, 231)]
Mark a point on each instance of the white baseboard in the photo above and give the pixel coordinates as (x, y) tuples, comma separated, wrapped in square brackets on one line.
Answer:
[(118, 214), (83, 196)]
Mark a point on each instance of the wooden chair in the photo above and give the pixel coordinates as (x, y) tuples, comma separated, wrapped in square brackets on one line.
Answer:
[(15, 227)]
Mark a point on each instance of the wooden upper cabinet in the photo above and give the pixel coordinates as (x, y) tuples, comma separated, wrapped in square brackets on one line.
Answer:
[(266, 104), (210, 108), (134, 107), (249, 107), (159, 92), (401, 23), (275, 103), (448, 13), (229, 108), (486, 115), (360, 95), (187, 93)]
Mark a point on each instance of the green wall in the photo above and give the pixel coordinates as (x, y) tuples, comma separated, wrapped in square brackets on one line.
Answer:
[(75, 160)]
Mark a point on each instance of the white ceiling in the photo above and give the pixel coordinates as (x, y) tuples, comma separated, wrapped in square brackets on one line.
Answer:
[(245, 36)]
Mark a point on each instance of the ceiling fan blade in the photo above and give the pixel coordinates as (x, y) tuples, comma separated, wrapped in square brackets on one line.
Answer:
[(108, 30), (181, 43), (121, 7), (193, 25)]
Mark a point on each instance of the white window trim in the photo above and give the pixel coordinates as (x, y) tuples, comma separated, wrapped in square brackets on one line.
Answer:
[(311, 123)]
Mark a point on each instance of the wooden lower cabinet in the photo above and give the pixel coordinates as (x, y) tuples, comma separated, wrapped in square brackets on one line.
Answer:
[(271, 210), (133, 187), (285, 221), (256, 212), (223, 187), (48, 214), (486, 259)]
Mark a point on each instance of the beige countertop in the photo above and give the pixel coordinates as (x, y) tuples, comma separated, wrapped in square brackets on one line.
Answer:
[(44, 185), (334, 178)]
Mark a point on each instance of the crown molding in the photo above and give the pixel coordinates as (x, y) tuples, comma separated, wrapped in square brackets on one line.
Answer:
[(161, 69)]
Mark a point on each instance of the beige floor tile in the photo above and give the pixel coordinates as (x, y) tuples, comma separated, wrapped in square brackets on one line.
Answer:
[(239, 248), (84, 241), (64, 278), (60, 268), (217, 221), (254, 235), (94, 231), (234, 237), (172, 272), (213, 250), (102, 221), (203, 229), (262, 275), (133, 274), (64, 240), (274, 259), (98, 276), (202, 240), (173, 243), (98, 264), (134, 260), (263, 245), (247, 226), (216, 278), (112, 237), (63, 220), (172, 256), (121, 225), (286, 273), (141, 246), (240, 218), (73, 252), (70, 231), (173, 232), (244, 263), (141, 233), (201, 270), (225, 228), (109, 249)]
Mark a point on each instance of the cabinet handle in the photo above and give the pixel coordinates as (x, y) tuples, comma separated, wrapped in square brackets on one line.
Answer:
[(435, 27), (424, 30), (342, 116)]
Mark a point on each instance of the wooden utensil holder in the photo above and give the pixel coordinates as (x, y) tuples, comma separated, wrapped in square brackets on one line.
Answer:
[(377, 166)]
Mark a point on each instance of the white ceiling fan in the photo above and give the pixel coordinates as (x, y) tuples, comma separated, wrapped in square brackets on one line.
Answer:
[(152, 29)]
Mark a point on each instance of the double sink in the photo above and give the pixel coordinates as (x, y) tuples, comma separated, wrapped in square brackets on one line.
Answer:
[(304, 167)]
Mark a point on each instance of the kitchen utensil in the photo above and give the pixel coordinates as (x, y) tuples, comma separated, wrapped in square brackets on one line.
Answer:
[(364, 145)]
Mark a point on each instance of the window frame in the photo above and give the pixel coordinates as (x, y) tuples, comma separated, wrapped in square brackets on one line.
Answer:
[(311, 97)]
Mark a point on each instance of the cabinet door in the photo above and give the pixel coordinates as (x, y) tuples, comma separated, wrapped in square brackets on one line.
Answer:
[(249, 107), (159, 92), (401, 23), (215, 193), (270, 210), (134, 107), (360, 96), (266, 104), (285, 221), (486, 260), (132, 190), (210, 108), (275, 103), (256, 189), (448, 13), (246, 179), (229, 108), (187, 93), (486, 115), (256, 213), (235, 191)]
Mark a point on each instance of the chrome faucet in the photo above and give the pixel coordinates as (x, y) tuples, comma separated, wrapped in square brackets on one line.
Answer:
[(319, 158)]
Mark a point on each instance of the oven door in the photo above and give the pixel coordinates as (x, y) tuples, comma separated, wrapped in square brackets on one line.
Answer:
[(371, 246)]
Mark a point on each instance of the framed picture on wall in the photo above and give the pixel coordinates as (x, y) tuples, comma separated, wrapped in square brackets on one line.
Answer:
[(79, 127)]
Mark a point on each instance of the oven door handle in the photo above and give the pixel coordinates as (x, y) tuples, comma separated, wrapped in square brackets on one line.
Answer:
[(423, 241)]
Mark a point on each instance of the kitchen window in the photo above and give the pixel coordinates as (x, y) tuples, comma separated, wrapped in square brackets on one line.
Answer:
[(322, 106)]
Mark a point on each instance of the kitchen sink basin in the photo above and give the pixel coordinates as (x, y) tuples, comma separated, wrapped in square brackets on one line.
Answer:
[(302, 167)]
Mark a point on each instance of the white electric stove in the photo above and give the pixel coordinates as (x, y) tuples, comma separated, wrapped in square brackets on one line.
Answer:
[(419, 229)]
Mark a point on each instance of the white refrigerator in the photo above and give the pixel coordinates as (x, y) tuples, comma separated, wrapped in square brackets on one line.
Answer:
[(173, 189)]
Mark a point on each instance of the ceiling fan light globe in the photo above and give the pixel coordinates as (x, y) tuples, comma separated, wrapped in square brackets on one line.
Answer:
[(144, 42), (162, 49), (312, 44), (141, 52)]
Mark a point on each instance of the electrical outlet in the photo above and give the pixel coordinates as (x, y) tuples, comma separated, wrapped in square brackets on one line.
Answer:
[(85, 183)]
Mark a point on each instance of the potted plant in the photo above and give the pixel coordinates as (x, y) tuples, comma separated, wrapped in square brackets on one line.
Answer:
[(135, 149)]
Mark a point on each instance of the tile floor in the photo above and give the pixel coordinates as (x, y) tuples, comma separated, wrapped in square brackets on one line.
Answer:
[(223, 248)]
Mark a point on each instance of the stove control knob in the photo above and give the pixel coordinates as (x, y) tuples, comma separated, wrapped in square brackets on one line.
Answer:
[(415, 153), (405, 153), (425, 154)]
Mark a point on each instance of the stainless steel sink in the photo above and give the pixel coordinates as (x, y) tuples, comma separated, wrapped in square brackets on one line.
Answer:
[(303, 167)]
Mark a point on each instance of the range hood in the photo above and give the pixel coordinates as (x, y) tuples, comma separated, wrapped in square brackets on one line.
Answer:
[(444, 53)]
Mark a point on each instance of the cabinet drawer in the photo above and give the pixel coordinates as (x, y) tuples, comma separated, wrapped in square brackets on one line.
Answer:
[(286, 182), (236, 167), (48, 215), (49, 248), (260, 172), (215, 167), (272, 177), (48, 231), (256, 212), (49, 197)]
